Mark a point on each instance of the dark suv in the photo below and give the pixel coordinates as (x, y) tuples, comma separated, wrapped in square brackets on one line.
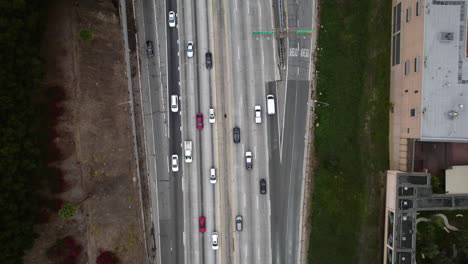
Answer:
[(149, 48), (209, 60), (236, 134), (263, 186)]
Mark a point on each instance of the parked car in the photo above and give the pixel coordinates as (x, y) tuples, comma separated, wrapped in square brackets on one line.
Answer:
[(172, 19), (236, 134), (209, 60), (214, 238), (190, 49), (239, 223), (263, 186), (202, 224), (149, 48), (175, 163), (213, 175), (199, 121), (211, 116), (248, 160)]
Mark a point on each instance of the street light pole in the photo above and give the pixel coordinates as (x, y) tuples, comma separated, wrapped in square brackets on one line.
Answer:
[(317, 101)]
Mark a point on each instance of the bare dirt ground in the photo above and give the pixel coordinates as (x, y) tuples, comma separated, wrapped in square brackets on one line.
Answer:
[(94, 134)]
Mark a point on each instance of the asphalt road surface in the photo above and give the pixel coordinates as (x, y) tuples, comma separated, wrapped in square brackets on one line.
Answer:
[(246, 67)]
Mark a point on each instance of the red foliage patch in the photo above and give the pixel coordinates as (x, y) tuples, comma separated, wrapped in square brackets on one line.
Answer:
[(65, 251), (107, 257)]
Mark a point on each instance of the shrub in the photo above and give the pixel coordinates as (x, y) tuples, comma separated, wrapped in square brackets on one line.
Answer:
[(107, 257), (86, 35), (65, 250), (67, 210)]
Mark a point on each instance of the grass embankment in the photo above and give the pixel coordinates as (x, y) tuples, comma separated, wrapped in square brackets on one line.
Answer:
[(351, 140)]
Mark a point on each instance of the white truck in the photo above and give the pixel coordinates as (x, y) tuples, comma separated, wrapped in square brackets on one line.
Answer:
[(270, 104), (188, 151)]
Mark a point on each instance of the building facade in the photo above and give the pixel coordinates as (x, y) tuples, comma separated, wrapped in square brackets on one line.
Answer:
[(429, 75)]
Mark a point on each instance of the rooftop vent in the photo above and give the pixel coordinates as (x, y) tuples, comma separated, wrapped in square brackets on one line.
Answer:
[(452, 114), (446, 36)]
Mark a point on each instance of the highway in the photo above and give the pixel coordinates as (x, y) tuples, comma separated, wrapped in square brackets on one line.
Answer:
[(246, 67)]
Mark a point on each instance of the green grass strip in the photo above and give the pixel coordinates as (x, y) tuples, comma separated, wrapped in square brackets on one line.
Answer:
[(351, 140)]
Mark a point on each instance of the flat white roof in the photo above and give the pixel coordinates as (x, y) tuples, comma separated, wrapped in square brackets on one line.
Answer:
[(444, 114), (456, 180)]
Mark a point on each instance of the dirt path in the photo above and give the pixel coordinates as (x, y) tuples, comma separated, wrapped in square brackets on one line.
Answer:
[(94, 133)]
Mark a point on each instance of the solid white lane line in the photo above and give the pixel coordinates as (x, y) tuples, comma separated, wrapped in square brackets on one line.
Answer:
[(168, 165)]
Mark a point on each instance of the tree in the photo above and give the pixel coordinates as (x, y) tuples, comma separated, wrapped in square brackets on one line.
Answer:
[(462, 242), (65, 250), (68, 210), (86, 35)]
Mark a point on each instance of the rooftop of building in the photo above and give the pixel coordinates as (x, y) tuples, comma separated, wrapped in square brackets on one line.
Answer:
[(445, 72)]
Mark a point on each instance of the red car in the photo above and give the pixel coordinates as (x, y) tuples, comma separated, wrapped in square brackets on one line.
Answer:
[(202, 224), (199, 121)]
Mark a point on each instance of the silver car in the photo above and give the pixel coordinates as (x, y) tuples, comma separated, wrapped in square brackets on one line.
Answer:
[(239, 223), (175, 163), (190, 49)]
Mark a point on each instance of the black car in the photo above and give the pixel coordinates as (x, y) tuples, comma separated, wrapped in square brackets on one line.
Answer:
[(263, 187), (236, 134), (209, 60), (149, 48)]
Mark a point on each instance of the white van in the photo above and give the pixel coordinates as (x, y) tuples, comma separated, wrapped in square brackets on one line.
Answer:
[(270, 104), (174, 103)]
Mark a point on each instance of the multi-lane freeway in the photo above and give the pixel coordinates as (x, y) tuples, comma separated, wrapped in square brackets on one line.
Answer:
[(246, 67)]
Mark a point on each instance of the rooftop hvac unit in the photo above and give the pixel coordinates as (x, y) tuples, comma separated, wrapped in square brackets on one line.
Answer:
[(446, 36), (452, 114)]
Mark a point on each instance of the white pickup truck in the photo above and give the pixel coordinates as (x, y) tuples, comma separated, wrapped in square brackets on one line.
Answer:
[(188, 151)]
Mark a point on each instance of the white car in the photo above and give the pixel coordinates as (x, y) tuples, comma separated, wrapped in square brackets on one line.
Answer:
[(258, 114), (174, 103), (190, 49), (213, 175), (175, 163), (211, 116), (172, 19), (214, 237)]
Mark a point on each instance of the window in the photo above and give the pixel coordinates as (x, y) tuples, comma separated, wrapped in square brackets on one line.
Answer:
[(413, 112), (408, 14), (396, 36), (418, 7), (416, 64), (396, 18), (396, 50), (407, 67), (416, 91)]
